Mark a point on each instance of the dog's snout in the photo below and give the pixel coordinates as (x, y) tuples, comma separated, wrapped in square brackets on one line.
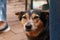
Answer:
[(28, 26)]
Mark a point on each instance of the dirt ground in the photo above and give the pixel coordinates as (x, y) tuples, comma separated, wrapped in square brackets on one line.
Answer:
[(16, 32)]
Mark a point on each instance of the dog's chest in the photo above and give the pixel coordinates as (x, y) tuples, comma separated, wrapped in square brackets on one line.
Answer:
[(40, 37)]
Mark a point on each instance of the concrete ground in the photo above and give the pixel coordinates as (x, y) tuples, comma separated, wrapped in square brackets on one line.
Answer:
[(16, 32)]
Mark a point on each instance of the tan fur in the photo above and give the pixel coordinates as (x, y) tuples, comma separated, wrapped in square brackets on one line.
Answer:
[(23, 21)]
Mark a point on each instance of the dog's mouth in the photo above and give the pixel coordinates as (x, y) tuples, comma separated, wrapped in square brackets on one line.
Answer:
[(29, 30)]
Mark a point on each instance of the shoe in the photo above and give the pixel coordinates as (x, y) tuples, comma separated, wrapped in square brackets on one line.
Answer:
[(4, 27)]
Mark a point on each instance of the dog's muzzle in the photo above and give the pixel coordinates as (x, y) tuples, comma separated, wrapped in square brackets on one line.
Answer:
[(28, 27)]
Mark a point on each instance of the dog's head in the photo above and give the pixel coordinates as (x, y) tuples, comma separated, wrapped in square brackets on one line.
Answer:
[(33, 21)]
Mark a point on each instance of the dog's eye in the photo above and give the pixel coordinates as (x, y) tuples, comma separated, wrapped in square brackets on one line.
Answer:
[(24, 17), (35, 17)]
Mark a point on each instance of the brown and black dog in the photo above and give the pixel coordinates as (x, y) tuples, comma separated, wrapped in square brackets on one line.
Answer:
[(35, 24)]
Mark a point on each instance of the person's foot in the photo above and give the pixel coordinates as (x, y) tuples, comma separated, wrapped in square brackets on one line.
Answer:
[(4, 27)]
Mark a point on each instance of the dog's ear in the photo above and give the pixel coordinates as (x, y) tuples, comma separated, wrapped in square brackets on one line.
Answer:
[(19, 14), (46, 15)]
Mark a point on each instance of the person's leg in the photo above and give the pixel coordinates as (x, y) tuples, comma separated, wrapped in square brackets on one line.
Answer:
[(3, 24)]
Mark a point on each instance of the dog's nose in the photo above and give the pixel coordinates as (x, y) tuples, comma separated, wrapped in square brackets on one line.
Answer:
[(28, 26)]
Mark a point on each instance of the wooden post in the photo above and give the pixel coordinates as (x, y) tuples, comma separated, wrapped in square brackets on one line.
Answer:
[(31, 5), (26, 4)]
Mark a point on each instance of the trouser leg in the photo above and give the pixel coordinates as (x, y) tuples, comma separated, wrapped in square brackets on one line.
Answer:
[(3, 23)]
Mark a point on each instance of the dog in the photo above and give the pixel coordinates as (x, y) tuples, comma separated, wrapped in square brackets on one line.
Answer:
[(35, 23)]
